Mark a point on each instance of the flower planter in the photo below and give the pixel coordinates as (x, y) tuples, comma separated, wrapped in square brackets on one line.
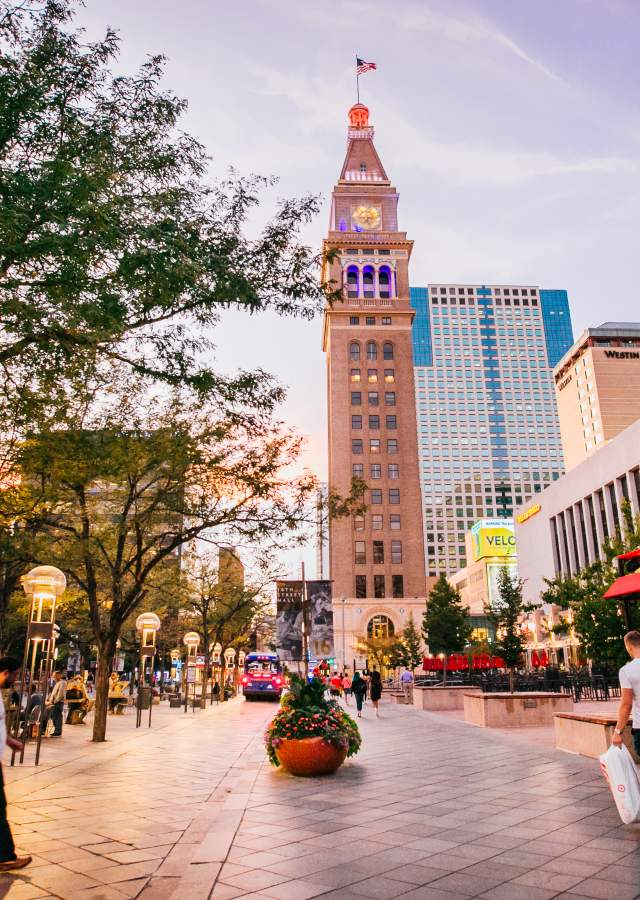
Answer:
[(310, 756)]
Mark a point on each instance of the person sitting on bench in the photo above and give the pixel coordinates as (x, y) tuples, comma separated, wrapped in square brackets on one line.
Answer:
[(78, 702)]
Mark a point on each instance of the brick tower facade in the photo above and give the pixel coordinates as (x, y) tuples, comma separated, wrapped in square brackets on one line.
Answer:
[(377, 560)]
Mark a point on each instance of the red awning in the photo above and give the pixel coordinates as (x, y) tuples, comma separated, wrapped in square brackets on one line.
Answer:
[(621, 587), (630, 555)]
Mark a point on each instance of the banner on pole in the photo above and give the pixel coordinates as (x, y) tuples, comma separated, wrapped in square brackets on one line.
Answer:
[(289, 616), (320, 619)]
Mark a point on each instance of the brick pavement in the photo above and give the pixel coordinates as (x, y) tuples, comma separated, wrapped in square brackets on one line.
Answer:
[(431, 809)]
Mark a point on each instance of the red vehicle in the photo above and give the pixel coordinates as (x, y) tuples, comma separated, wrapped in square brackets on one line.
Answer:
[(262, 676)]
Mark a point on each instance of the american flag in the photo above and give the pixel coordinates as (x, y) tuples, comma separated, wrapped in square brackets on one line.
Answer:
[(362, 66)]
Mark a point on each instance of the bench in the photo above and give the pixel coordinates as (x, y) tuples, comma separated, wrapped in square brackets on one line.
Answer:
[(587, 734), (397, 697), (514, 710), (441, 697)]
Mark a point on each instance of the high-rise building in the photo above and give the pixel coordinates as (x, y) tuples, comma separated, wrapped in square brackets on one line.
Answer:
[(322, 532), (487, 422), (598, 388), (377, 559)]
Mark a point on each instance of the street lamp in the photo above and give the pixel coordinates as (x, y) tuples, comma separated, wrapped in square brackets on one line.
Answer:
[(191, 641), (44, 585), (148, 624)]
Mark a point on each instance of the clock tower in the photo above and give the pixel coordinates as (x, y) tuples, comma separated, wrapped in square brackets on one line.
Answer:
[(377, 559)]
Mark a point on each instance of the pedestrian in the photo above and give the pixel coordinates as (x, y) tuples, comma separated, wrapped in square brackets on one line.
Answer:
[(629, 692), (8, 859), (376, 690), (359, 689), (335, 685), (35, 700), (346, 687), (55, 703), (406, 681)]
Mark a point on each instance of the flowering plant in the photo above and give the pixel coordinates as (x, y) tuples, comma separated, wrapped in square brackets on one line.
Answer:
[(306, 713)]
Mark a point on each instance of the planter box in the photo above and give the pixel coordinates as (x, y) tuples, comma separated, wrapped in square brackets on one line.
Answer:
[(514, 710), (310, 756), (442, 697), (588, 735)]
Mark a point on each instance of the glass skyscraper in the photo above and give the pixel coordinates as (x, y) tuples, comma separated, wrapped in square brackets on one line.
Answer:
[(488, 430)]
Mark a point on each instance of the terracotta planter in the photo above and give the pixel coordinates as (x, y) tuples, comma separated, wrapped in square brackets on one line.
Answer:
[(310, 756)]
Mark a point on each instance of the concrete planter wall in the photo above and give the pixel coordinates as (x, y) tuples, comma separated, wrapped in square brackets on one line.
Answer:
[(514, 710), (588, 735), (442, 697)]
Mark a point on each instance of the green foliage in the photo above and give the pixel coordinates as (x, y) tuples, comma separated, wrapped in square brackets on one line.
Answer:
[(306, 713), (445, 622), (505, 617), (412, 644), (598, 623)]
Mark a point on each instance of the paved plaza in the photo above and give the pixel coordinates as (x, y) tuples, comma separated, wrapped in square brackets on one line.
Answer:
[(431, 809)]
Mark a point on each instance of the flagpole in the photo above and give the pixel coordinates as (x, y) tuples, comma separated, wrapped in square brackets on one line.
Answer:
[(357, 80)]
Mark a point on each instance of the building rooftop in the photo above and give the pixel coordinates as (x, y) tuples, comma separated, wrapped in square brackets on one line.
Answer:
[(606, 331)]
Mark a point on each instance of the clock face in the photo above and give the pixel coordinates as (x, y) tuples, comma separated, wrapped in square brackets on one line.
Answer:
[(367, 217)]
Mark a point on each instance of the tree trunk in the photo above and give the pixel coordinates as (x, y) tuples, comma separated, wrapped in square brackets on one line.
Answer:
[(103, 671), (511, 680), (444, 670)]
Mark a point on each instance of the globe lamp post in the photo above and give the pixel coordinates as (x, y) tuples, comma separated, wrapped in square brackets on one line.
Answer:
[(148, 625)]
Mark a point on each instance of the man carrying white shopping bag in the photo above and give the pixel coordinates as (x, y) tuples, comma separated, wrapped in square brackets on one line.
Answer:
[(630, 693)]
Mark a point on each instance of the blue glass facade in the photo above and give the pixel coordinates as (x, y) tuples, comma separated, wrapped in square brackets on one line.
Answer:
[(556, 317), (422, 351), (488, 428)]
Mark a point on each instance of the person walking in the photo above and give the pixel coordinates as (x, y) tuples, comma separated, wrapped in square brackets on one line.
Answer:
[(8, 859), (335, 684), (406, 682), (346, 687), (629, 676), (359, 689), (55, 703), (376, 690)]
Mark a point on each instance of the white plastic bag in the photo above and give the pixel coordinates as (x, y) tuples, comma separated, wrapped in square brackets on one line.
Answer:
[(618, 768)]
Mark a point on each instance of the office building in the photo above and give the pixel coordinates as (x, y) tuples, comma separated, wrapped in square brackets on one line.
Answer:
[(598, 388), (377, 559), (563, 529), (488, 429)]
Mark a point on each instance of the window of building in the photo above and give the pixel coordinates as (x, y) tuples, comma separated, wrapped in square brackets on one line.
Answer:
[(376, 497), (394, 522), (391, 422), (376, 523), (355, 374), (374, 398), (378, 586), (372, 376), (361, 587), (354, 320), (352, 281), (384, 282), (354, 351), (356, 398), (357, 446), (378, 552), (392, 445), (358, 523), (360, 553), (370, 320), (372, 350), (393, 470), (389, 375), (374, 445), (376, 470), (367, 281), (356, 423), (374, 423), (357, 470), (385, 320), (387, 350), (394, 496), (390, 398), (396, 552)]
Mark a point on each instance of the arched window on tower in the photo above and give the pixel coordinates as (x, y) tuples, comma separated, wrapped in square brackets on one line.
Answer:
[(380, 627), (384, 282), (372, 350), (368, 282), (352, 281), (387, 350), (354, 351)]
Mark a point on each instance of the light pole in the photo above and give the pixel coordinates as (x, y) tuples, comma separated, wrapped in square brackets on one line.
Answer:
[(229, 656), (344, 651), (44, 585), (191, 641), (216, 651), (148, 624)]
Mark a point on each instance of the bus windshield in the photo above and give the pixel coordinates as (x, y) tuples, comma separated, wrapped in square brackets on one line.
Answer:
[(262, 665)]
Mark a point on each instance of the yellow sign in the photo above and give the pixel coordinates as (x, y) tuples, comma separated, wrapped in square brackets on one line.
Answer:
[(529, 513), (493, 537)]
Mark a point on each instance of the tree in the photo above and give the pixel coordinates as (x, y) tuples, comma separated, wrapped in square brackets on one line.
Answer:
[(505, 615), (445, 622), (114, 245), (383, 651), (119, 499), (599, 623), (412, 643)]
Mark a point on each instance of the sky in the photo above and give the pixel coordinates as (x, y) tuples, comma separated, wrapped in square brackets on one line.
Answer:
[(510, 128)]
